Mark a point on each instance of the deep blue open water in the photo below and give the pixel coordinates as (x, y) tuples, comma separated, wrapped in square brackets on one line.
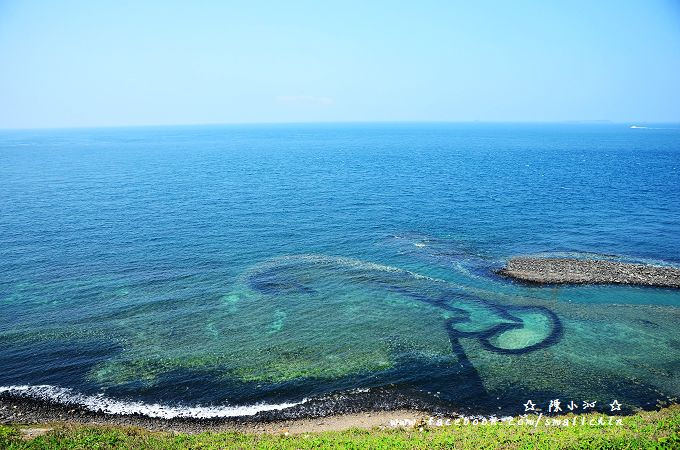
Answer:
[(225, 270)]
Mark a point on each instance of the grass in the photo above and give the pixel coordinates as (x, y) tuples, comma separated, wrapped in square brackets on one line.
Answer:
[(658, 429)]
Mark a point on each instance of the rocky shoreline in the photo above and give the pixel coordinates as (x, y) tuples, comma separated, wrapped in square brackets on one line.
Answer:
[(546, 270), (18, 411)]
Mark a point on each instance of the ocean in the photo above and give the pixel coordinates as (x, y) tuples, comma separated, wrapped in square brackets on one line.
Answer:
[(302, 270)]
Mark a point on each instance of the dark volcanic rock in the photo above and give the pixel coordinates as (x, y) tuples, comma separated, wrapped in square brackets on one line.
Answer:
[(589, 271)]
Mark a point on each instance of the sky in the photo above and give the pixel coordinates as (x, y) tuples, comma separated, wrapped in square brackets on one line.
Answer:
[(118, 63)]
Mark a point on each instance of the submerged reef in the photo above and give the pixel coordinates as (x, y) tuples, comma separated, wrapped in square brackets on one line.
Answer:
[(589, 271), (332, 334), (467, 316)]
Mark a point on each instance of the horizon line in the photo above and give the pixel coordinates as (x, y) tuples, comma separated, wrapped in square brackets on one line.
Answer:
[(346, 122)]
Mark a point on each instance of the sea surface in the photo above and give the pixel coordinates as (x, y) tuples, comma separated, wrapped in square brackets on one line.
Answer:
[(301, 270)]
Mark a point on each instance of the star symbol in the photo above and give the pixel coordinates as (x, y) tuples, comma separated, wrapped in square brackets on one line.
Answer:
[(529, 406), (616, 406)]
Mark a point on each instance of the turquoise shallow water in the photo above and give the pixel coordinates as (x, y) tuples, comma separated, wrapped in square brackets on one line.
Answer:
[(306, 269)]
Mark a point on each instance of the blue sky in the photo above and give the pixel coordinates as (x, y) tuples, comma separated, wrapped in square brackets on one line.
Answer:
[(108, 63)]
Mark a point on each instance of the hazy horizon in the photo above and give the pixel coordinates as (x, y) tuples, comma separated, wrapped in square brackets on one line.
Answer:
[(109, 64), (641, 124)]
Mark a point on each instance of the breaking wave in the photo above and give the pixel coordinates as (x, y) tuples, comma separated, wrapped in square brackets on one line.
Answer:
[(106, 405)]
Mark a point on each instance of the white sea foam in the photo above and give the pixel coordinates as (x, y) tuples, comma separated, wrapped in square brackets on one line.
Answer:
[(108, 405), (340, 261)]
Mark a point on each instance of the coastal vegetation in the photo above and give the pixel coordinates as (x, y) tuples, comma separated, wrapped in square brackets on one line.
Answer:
[(656, 429)]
